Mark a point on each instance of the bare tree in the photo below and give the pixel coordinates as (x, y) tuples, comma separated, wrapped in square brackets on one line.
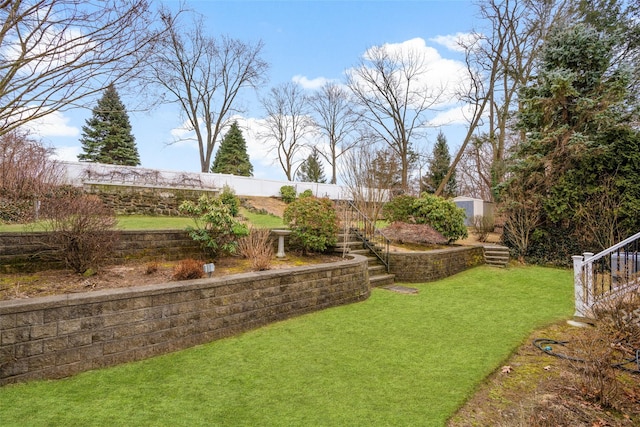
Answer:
[(287, 123), (26, 169), (392, 89), (54, 53), (204, 76), (370, 175), (500, 59), (473, 171), (337, 120)]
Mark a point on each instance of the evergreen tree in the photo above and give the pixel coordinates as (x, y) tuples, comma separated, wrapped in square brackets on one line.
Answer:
[(574, 178), (106, 137), (232, 157), (311, 170), (438, 168)]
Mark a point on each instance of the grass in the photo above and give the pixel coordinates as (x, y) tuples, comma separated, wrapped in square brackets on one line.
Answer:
[(142, 222), (392, 360), (262, 220)]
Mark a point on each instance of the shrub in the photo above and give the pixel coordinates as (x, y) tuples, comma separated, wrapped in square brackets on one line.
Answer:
[(313, 223), (399, 209), (216, 229), (188, 269), (257, 247), (306, 193), (228, 198), (288, 193), (152, 268), (82, 233), (441, 214), (482, 226)]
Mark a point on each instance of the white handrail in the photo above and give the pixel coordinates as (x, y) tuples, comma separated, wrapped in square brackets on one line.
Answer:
[(613, 248)]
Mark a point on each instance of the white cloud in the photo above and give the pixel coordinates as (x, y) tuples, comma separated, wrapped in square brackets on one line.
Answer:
[(459, 115), (69, 153), (441, 76), (184, 135), (53, 124), (312, 84), (457, 41)]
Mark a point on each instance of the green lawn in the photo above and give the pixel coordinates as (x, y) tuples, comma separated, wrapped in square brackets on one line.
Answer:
[(392, 360), (142, 222)]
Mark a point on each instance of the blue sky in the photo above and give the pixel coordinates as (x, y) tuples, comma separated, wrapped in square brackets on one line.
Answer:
[(305, 41)]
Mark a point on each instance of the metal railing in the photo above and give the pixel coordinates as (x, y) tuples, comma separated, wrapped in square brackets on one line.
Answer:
[(607, 275), (356, 222)]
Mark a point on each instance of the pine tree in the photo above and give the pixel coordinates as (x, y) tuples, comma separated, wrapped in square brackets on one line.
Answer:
[(232, 157), (106, 137), (438, 167), (311, 170)]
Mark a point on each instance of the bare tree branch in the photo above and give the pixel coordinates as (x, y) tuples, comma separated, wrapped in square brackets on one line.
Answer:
[(337, 121), (204, 76), (55, 53), (391, 88), (287, 123), (499, 61)]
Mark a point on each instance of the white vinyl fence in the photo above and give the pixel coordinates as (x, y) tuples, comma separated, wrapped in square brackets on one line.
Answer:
[(79, 173)]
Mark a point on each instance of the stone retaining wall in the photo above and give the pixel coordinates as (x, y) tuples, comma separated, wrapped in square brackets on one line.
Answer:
[(58, 336), (433, 265), (144, 200), (27, 252)]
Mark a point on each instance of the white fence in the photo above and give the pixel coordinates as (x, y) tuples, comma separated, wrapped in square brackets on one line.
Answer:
[(607, 275), (79, 173)]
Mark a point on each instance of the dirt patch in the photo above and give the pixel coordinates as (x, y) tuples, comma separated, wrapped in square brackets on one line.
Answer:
[(533, 388), (271, 205), (56, 282)]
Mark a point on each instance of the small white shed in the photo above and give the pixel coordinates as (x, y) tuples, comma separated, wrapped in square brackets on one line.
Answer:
[(473, 207)]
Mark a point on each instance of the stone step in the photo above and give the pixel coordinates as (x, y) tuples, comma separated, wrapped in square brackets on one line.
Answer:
[(376, 269), (363, 252), (497, 253), (349, 245), (381, 280), (348, 238), (497, 256)]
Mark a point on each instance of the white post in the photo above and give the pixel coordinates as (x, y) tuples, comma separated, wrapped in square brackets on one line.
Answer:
[(578, 286), (589, 285)]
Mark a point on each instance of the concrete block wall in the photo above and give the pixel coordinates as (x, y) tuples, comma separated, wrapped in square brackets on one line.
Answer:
[(27, 252), (433, 265), (58, 336)]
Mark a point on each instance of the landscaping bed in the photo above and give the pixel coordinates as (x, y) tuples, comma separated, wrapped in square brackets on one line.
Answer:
[(56, 282)]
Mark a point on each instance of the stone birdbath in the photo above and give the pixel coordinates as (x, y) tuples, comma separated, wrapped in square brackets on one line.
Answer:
[(281, 234)]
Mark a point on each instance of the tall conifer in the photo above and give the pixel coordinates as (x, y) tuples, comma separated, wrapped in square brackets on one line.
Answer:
[(438, 168), (311, 170), (106, 136), (232, 156)]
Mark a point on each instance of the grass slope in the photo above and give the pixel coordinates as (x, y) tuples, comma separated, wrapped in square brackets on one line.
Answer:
[(392, 360)]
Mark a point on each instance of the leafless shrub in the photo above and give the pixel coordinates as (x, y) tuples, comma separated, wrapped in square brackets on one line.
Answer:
[(619, 318), (152, 268), (482, 226), (26, 174), (597, 379), (81, 231), (188, 269), (257, 247)]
